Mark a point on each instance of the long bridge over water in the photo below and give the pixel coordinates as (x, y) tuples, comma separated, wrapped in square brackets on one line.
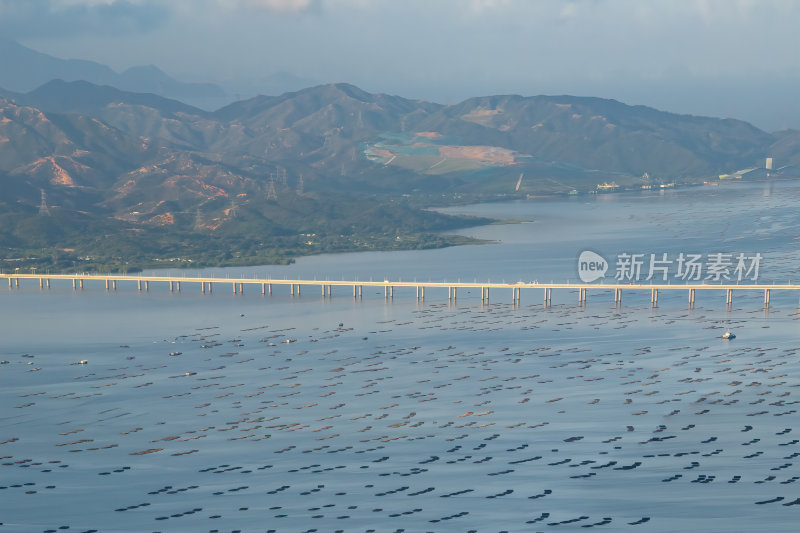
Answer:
[(294, 286)]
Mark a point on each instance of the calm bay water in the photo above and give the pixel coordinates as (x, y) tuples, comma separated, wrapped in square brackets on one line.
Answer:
[(194, 414)]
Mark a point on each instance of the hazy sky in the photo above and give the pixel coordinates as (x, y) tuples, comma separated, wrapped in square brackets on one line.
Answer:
[(735, 58)]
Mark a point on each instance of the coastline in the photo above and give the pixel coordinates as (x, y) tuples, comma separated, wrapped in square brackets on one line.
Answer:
[(287, 255)]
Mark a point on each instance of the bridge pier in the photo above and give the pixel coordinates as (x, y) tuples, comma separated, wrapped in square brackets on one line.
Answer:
[(326, 287), (11, 283), (654, 296)]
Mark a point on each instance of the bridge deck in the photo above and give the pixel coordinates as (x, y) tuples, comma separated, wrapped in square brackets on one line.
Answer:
[(397, 283)]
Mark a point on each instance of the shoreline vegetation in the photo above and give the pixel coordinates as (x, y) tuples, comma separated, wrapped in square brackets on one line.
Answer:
[(258, 234), (66, 242), (61, 262)]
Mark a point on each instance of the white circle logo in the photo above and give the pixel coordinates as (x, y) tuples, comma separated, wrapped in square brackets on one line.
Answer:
[(591, 266)]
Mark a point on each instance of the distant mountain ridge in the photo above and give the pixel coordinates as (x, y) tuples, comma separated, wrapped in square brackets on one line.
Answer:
[(307, 162), (59, 96), (23, 69), (344, 136)]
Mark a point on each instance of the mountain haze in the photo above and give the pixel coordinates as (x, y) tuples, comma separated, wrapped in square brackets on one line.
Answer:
[(23, 69)]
